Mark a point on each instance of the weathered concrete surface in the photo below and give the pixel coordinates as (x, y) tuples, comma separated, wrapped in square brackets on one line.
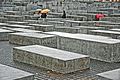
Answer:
[(33, 38), (43, 28), (9, 73), (50, 58), (97, 47), (113, 34), (4, 34), (110, 75)]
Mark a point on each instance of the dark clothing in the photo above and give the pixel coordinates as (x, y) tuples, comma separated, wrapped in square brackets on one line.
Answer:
[(43, 15), (64, 16)]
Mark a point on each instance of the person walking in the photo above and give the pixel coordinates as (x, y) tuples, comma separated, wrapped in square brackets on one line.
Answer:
[(64, 14)]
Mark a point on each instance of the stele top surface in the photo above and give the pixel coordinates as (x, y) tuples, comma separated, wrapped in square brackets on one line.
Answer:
[(106, 31), (36, 35), (9, 73), (89, 27), (4, 30), (87, 37), (23, 30), (51, 52), (40, 25), (17, 22), (115, 29), (3, 24), (112, 75), (20, 26)]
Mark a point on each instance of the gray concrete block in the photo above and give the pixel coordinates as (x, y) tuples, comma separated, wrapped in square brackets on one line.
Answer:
[(4, 34), (55, 23), (18, 22), (97, 47), (14, 17), (22, 30), (110, 75), (43, 28), (20, 26), (113, 34), (33, 38), (50, 58), (9, 73)]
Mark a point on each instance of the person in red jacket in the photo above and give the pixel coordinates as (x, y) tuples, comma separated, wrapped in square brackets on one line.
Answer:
[(99, 16)]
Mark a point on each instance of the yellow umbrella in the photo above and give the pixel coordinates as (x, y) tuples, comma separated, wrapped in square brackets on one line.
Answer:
[(45, 11)]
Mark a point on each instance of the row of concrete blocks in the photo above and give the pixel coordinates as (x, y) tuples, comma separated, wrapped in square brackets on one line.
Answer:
[(97, 47)]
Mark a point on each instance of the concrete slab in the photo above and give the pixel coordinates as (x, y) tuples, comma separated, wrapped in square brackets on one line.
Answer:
[(113, 34), (20, 26), (4, 34), (42, 27), (110, 75), (22, 30), (33, 38), (18, 22), (97, 47), (50, 58), (9, 73)]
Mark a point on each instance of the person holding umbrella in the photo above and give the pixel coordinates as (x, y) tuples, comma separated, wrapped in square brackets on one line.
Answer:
[(44, 13)]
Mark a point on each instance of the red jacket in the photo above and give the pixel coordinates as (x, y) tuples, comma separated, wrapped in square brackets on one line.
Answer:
[(99, 16)]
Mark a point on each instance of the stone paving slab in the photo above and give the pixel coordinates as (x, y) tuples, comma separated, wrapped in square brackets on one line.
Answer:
[(9, 73), (50, 58), (33, 38), (113, 34), (110, 75), (97, 47)]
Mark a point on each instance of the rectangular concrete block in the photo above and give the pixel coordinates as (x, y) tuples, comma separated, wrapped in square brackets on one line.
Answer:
[(110, 75), (4, 34), (97, 47), (14, 17), (67, 29), (50, 58), (108, 26), (43, 28), (18, 22), (55, 23), (20, 26), (9, 73), (3, 24), (33, 38), (113, 34), (22, 30), (86, 29), (72, 23)]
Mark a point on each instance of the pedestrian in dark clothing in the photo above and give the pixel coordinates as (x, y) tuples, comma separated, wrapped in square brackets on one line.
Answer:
[(64, 14), (43, 15)]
